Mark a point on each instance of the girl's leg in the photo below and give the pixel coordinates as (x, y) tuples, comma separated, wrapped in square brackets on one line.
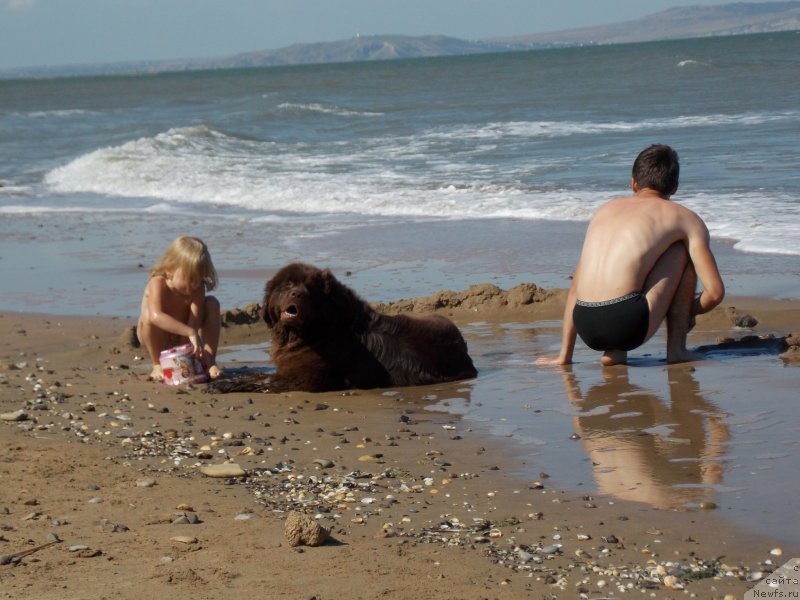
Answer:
[(210, 331), (155, 340)]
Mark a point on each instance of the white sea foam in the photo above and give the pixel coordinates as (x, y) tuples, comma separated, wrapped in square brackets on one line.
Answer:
[(61, 113), (324, 108), (395, 177), (555, 129), (694, 63)]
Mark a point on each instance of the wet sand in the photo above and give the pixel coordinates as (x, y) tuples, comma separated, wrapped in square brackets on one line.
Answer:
[(439, 492)]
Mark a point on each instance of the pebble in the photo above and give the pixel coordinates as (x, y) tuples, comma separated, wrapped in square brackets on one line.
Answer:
[(183, 539), (77, 548), (145, 483), (302, 530), (376, 458), (244, 517), (17, 415), (324, 463), (223, 470), (776, 552), (551, 549), (672, 582)]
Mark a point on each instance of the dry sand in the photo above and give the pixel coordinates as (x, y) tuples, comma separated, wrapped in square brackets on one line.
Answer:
[(418, 505)]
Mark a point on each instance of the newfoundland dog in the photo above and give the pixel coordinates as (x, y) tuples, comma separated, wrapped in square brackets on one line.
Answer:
[(326, 338)]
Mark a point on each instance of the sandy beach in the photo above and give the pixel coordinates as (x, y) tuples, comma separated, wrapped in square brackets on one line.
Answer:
[(421, 500)]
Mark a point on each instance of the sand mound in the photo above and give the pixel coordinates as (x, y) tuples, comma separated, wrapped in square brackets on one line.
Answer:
[(484, 296)]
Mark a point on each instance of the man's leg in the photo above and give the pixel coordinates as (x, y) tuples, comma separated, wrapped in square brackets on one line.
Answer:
[(669, 289), (614, 357), (680, 319)]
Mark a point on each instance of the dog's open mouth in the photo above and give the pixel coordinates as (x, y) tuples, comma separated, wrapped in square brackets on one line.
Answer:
[(290, 312)]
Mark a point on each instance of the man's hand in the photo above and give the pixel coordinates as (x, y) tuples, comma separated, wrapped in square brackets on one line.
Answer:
[(552, 360)]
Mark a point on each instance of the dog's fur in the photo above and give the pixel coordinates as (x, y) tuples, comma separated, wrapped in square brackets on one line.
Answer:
[(325, 338)]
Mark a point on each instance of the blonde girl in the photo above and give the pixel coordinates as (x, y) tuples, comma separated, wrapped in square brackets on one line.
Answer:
[(175, 307)]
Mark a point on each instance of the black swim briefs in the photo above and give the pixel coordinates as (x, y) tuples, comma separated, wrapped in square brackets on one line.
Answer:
[(618, 324)]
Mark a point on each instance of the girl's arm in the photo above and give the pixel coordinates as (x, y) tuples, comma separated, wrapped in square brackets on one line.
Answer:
[(159, 316), (196, 317)]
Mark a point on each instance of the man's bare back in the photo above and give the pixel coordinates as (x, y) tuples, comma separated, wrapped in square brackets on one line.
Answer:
[(625, 239), (641, 259)]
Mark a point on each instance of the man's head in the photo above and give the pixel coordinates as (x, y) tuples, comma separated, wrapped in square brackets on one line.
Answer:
[(657, 168)]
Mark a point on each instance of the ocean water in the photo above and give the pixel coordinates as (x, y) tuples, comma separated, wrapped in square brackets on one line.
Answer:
[(371, 167)]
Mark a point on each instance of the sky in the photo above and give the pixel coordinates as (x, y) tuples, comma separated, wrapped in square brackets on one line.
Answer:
[(71, 32)]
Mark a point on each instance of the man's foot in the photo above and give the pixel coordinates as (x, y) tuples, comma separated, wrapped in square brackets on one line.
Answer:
[(214, 372), (156, 374), (680, 356), (614, 357)]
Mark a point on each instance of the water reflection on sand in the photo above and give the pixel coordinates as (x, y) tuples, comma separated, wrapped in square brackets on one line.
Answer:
[(665, 451)]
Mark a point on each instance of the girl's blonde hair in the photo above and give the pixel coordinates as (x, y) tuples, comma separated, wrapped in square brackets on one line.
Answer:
[(191, 256)]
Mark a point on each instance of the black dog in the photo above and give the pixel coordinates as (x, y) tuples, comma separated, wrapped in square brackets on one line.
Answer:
[(325, 338)]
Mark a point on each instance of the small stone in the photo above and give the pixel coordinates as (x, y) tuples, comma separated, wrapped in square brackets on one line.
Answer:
[(708, 505), (776, 552), (183, 539), (324, 463), (17, 415), (223, 470), (376, 458), (145, 483), (302, 530), (184, 507), (244, 517), (77, 548)]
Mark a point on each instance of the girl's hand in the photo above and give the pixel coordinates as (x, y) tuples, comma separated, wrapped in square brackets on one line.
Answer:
[(197, 343)]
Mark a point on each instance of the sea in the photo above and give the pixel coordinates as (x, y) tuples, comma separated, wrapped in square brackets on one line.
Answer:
[(362, 165), (407, 177)]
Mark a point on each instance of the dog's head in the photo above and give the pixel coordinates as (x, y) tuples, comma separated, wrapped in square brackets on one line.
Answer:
[(305, 300)]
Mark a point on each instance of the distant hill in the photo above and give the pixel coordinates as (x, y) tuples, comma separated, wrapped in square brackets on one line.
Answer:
[(361, 48), (675, 23)]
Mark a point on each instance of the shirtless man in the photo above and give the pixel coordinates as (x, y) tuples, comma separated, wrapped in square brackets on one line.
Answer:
[(640, 263)]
